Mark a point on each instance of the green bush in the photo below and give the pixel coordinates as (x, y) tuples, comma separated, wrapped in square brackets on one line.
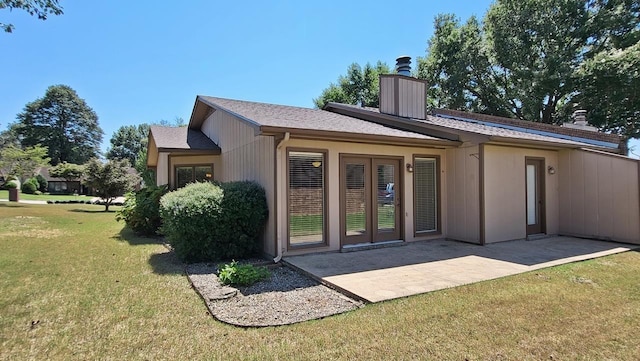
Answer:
[(38, 193), (141, 210), (205, 222), (242, 275), (29, 187), (243, 217), (11, 185), (42, 183)]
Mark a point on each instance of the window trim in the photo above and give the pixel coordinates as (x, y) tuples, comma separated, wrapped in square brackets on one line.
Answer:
[(325, 200), (438, 182), (174, 181)]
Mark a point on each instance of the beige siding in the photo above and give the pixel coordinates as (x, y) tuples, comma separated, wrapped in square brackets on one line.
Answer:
[(599, 196), (411, 95), (505, 195), (245, 156), (463, 206), (333, 187)]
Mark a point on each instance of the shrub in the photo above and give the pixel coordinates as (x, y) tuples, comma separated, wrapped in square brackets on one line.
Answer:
[(141, 210), (204, 221), (11, 185), (38, 193), (29, 187), (243, 217), (189, 217), (42, 183), (243, 275)]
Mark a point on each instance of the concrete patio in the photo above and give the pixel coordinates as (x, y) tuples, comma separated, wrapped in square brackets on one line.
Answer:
[(419, 267)]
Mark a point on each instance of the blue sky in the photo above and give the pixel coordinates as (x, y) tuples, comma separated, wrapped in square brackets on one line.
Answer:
[(145, 61)]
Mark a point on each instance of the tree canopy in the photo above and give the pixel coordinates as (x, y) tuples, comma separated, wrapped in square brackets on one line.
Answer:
[(40, 8), (360, 86), (67, 171), (22, 163), (128, 141), (110, 179), (64, 123), (538, 60)]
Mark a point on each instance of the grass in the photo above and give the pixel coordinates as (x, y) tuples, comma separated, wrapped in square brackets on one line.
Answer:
[(4, 194), (311, 224), (75, 285)]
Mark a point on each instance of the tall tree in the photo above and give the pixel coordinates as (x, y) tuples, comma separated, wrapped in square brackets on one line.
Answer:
[(110, 179), (360, 86), (128, 141), (22, 163), (39, 8), (64, 123)]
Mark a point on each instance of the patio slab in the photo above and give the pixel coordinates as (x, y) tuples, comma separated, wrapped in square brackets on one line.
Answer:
[(418, 267)]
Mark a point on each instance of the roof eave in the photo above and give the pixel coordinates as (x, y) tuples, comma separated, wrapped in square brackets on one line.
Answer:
[(357, 137), (544, 144)]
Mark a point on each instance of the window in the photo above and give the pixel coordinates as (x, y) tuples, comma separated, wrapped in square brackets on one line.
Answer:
[(190, 174), (306, 198), (425, 185)]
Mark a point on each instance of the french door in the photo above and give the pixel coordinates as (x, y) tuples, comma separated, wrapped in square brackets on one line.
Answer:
[(370, 196)]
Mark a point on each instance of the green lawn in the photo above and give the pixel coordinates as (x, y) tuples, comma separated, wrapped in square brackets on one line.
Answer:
[(4, 194), (74, 285)]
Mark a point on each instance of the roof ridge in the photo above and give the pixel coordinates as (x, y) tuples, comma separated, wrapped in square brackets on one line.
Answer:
[(260, 103)]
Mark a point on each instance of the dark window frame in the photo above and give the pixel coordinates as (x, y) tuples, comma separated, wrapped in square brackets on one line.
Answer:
[(193, 172)]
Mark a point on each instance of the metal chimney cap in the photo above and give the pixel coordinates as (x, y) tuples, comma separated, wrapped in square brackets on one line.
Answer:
[(403, 65)]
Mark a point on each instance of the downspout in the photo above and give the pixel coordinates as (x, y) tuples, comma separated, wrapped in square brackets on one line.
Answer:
[(279, 248)]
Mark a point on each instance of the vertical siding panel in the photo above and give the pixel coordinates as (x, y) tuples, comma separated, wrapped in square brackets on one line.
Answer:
[(605, 204), (591, 175)]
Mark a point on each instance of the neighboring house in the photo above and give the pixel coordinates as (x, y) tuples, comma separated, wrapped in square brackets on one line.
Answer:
[(61, 185), (348, 176)]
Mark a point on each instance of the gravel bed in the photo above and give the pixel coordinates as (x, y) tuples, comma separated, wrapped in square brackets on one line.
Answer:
[(286, 297)]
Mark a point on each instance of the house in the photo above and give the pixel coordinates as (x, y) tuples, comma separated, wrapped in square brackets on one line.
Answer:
[(61, 185), (346, 177)]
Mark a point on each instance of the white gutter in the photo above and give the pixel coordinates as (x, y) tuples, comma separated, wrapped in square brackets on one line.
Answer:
[(279, 247)]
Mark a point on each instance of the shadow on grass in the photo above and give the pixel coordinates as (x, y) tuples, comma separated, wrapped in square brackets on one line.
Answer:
[(80, 210), (11, 205), (166, 263), (127, 234), (162, 263)]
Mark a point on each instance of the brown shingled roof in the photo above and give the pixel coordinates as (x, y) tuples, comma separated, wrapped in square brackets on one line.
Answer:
[(182, 138), (266, 115), (580, 133), (458, 123)]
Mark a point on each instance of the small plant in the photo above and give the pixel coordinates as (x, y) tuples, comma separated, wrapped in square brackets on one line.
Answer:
[(241, 274)]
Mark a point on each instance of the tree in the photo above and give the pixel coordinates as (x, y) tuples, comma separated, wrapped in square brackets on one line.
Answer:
[(64, 123), (530, 59), (110, 179), (22, 163), (128, 141), (609, 89), (39, 8), (360, 86), (67, 171)]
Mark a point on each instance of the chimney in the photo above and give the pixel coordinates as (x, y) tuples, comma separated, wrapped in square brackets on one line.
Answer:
[(402, 95), (403, 65), (579, 118)]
